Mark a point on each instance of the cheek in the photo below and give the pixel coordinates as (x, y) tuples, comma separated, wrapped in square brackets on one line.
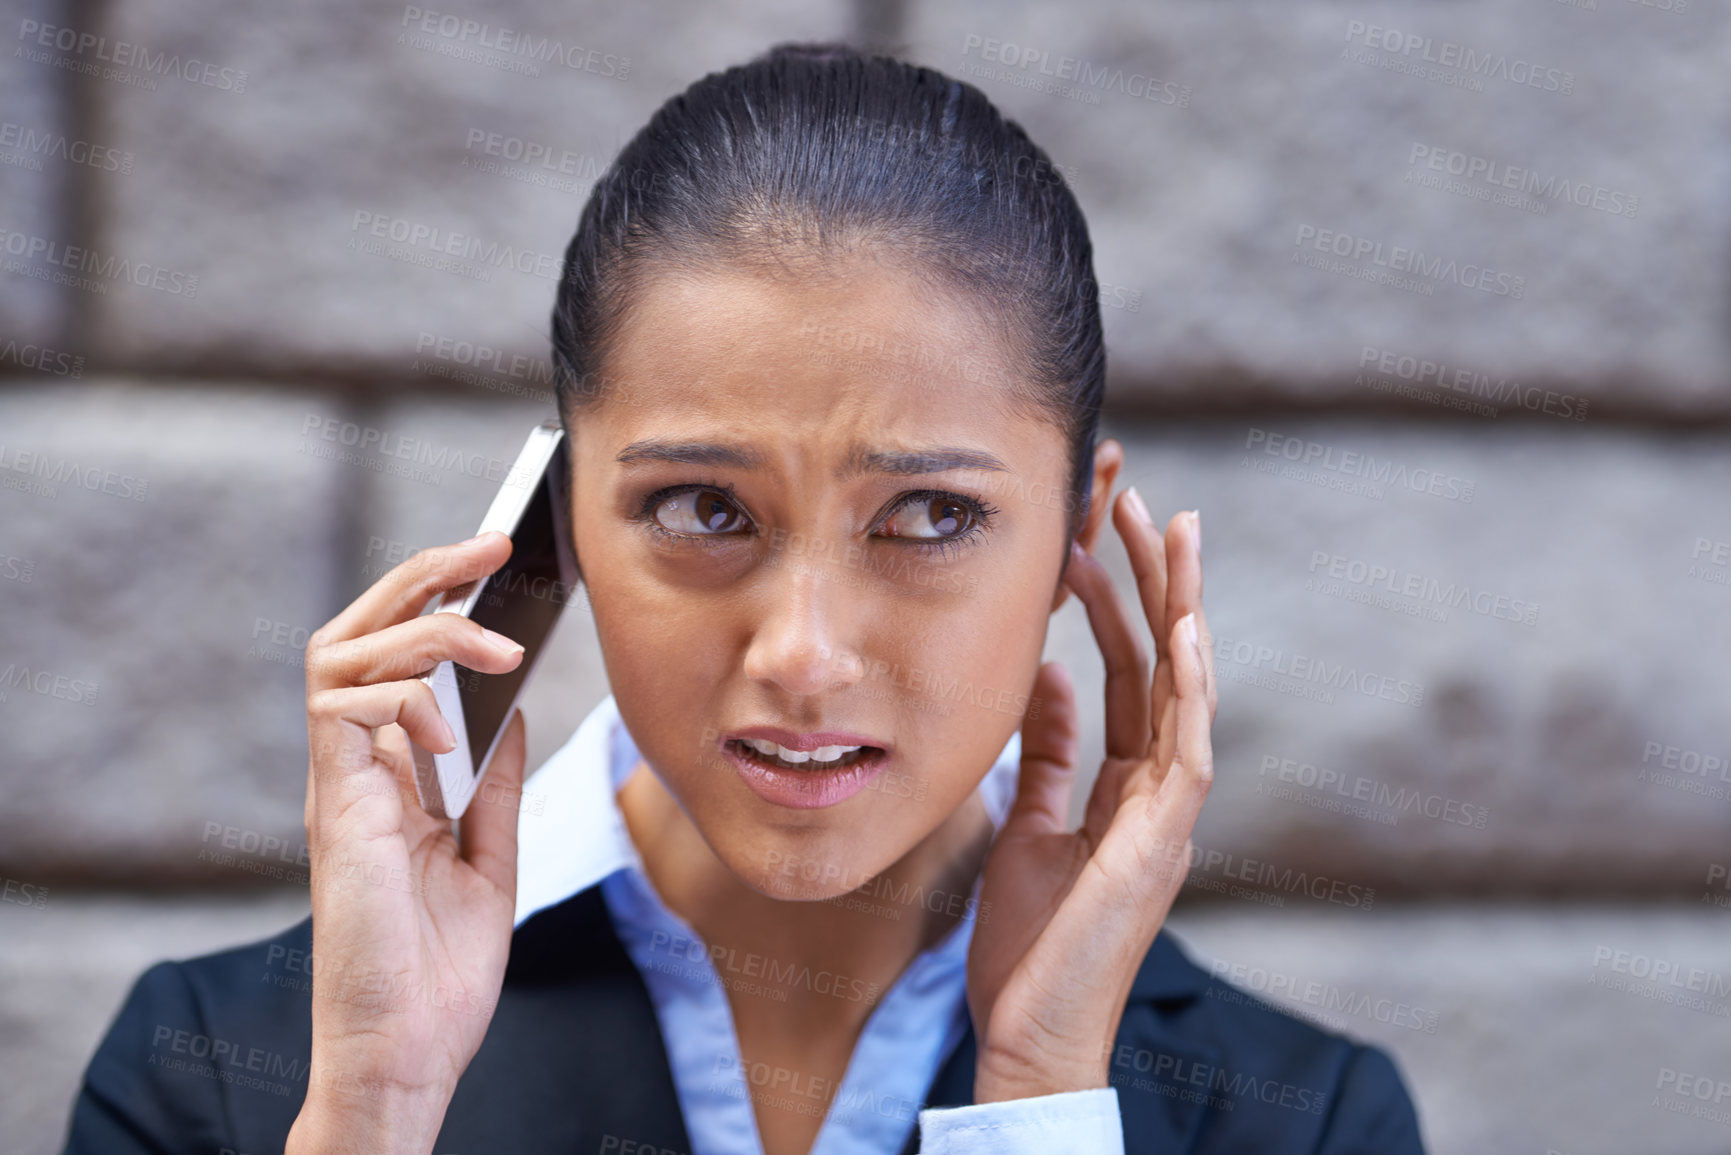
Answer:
[(651, 635), (668, 675), (991, 636), (980, 669), (958, 687)]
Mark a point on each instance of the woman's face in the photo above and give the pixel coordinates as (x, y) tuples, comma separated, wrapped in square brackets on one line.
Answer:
[(806, 516)]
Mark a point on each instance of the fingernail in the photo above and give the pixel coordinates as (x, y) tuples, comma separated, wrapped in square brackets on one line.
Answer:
[(1187, 632), (1138, 506), (473, 540), (445, 731), (500, 642), (1196, 525)]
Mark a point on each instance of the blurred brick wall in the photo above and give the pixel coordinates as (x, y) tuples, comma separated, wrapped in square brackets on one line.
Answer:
[(1485, 243)]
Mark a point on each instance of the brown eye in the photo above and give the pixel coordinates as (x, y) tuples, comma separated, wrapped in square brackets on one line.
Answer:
[(929, 519), (700, 512)]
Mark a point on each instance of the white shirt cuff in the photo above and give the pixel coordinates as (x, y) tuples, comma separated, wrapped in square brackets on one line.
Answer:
[(1067, 1123)]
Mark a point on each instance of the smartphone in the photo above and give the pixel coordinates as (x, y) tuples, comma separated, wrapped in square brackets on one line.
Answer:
[(522, 600)]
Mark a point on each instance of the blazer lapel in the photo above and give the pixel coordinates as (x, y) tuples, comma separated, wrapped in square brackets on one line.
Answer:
[(1162, 1082)]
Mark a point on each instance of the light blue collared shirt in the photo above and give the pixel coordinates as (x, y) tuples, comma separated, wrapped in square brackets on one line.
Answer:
[(572, 835)]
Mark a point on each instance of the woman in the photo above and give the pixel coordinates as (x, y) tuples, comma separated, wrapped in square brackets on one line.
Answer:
[(829, 358)]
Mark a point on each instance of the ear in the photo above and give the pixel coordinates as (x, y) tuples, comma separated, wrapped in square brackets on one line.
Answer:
[(1108, 460)]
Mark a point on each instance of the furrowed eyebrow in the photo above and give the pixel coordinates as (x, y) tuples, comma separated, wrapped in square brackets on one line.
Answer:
[(860, 460), (690, 453), (935, 460)]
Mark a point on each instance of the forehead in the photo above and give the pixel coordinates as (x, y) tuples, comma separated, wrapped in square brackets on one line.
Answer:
[(854, 351)]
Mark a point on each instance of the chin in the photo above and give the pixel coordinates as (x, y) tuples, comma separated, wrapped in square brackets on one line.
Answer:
[(804, 870)]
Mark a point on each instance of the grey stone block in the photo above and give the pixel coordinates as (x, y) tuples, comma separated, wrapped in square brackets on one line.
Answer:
[(39, 153), (470, 135), (1214, 146), (1370, 722), (163, 546), (1525, 1028)]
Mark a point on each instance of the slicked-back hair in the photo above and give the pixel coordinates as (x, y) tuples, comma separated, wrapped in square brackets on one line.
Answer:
[(812, 151)]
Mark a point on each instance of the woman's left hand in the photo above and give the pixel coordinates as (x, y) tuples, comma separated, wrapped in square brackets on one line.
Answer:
[(1067, 916)]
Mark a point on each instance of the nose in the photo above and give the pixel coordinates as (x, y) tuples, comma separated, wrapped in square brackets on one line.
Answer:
[(802, 645)]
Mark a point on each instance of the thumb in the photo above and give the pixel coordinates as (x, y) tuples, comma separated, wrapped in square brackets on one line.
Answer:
[(1050, 737), (488, 828)]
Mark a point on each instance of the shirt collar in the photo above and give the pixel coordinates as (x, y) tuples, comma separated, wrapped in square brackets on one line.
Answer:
[(571, 833)]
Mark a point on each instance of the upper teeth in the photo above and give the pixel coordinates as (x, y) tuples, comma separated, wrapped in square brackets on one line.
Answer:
[(821, 754)]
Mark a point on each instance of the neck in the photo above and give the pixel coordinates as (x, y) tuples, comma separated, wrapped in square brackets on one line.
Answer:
[(873, 939)]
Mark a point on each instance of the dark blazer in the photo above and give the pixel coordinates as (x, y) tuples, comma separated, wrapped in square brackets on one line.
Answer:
[(210, 1057)]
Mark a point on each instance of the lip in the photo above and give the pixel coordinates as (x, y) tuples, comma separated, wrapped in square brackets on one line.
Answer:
[(803, 789), (805, 743)]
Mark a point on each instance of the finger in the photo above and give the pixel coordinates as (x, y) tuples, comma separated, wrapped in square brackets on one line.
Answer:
[(1192, 770), (1165, 728), (488, 828), (1183, 565), (1161, 695), (1146, 850), (1147, 552), (1128, 728), (403, 592), (1205, 640), (340, 725), (391, 746), (1103, 799), (1049, 744), (310, 810), (410, 649)]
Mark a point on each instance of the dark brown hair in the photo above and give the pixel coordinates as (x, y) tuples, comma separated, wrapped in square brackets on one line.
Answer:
[(816, 148)]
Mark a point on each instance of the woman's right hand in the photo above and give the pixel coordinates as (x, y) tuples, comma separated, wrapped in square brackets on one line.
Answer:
[(411, 927)]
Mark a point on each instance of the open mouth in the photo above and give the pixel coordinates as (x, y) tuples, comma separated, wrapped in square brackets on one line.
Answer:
[(820, 775), (767, 753)]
